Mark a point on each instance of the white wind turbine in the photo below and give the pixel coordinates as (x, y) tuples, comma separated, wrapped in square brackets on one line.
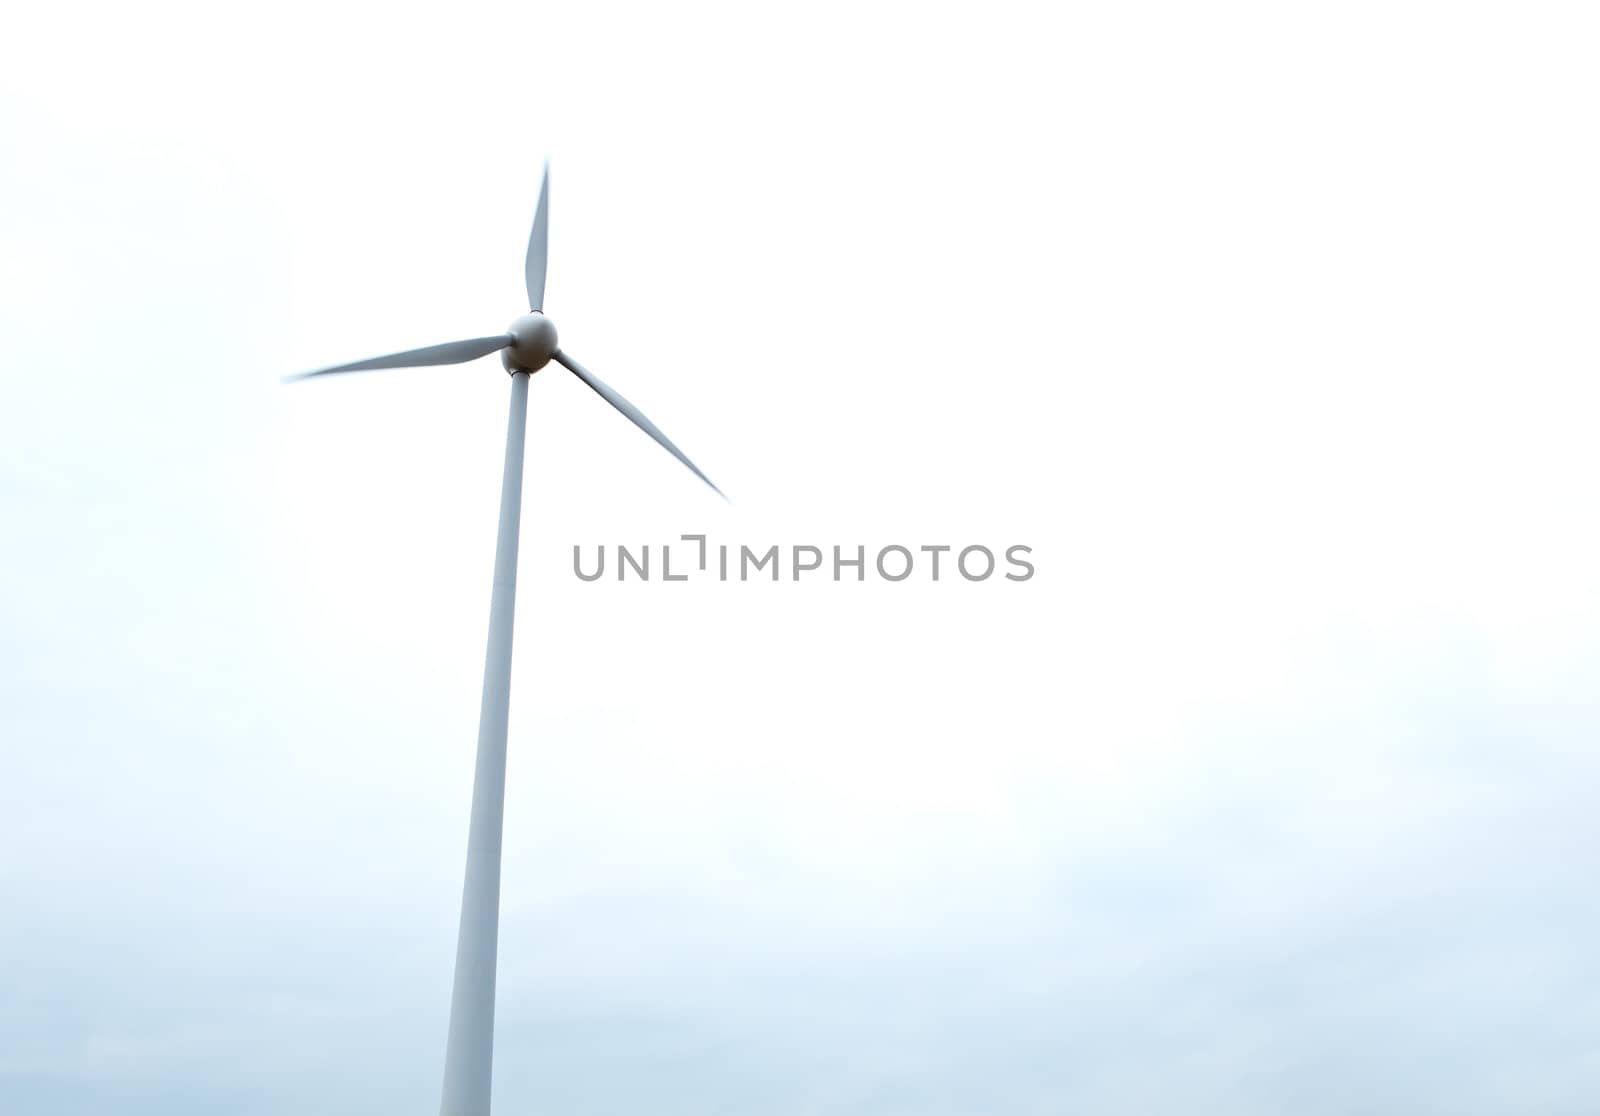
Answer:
[(528, 344)]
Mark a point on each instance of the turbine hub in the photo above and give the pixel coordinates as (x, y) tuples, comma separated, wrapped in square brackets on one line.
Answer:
[(533, 345)]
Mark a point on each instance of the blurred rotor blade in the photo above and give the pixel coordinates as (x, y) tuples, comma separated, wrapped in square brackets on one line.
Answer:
[(539, 245), (451, 352), (604, 391)]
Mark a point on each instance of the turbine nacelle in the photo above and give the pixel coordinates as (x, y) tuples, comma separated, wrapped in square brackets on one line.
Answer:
[(533, 343)]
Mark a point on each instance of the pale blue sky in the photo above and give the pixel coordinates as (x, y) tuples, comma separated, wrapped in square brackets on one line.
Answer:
[(1271, 332)]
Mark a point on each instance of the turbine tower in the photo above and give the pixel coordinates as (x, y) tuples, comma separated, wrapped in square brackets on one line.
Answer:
[(528, 344)]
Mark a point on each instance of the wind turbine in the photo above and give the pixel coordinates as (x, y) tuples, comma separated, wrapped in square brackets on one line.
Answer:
[(527, 345)]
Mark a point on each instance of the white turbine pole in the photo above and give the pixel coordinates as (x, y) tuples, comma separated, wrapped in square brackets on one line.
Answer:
[(469, 1050)]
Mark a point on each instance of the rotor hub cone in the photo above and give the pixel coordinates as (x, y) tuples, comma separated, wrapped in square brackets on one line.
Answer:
[(533, 343)]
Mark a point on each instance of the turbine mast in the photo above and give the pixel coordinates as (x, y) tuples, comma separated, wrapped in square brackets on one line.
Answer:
[(469, 1050)]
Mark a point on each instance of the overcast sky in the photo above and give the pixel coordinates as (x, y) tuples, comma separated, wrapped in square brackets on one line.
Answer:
[(1270, 330)]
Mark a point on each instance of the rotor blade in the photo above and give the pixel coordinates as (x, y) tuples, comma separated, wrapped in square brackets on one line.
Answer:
[(451, 352), (539, 245), (604, 391)]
